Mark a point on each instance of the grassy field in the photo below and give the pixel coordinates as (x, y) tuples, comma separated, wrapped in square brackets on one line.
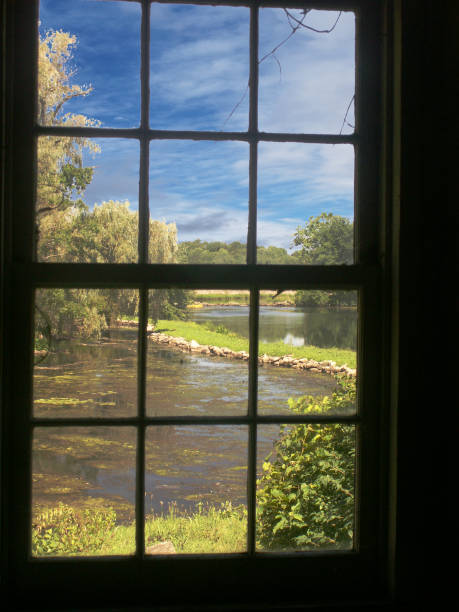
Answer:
[(193, 331), (233, 297)]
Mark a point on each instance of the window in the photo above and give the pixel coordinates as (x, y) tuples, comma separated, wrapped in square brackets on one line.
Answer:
[(144, 276)]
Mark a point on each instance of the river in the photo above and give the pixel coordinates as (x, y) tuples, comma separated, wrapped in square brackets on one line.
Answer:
[(185, 464)]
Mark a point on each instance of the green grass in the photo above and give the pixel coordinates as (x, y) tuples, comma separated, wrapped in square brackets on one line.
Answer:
[(194, 331), (210, 529)]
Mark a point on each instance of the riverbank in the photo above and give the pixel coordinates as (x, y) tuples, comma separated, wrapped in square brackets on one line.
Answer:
[(71, 531), (189, 336)]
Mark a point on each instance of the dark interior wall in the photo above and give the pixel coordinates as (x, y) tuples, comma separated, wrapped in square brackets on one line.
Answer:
[(423, 436), (427, 235)]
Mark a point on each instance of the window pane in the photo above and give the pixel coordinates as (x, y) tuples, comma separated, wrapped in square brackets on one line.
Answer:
[(305, 492), (195, 496), (85, 353), (307, 347), (89, 63), (196, 365), (200, 191), (83, 491), (306, 77), (306, 203), (199, 67), (87, 200)]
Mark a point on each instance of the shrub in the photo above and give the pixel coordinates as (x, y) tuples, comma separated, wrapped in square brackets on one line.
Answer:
[(66, 531), (305, 495)]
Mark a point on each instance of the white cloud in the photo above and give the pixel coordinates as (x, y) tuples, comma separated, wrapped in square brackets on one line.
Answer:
[(199, 72), (309, 86)]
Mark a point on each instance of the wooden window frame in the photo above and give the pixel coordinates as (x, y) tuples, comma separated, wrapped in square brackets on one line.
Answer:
[(232, 579)]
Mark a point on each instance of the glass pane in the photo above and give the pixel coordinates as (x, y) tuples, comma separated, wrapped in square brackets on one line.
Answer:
[(85, 353), (200, 189), (305, 487), (199, 67), (306, 203), (307, 77), (308, 352), (195, 489), (83, 491), (197, 360), (87, 200), (89, 63)]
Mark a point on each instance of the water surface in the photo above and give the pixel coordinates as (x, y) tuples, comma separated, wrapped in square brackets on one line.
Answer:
[(184, 463)]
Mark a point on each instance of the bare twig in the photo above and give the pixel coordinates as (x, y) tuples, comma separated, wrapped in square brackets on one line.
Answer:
[(345, 116), (294, 30), (271, 53), (295, 24), (303, 25), (236, 106)]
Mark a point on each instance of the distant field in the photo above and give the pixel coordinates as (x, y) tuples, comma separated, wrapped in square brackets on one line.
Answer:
[(215, 296)]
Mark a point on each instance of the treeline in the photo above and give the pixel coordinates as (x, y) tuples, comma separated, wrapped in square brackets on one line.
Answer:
[(201, 252)]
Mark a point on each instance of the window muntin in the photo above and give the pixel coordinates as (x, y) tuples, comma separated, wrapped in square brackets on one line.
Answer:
[(181, 170), (359, 276)]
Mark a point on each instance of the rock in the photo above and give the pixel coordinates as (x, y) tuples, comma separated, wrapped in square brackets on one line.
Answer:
[(194, 344), (161, 548)]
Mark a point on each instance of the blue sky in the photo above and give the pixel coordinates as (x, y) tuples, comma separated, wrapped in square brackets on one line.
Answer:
[(199, 73)]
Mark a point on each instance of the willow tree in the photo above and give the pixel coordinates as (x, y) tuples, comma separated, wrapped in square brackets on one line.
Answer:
[(108, 234)]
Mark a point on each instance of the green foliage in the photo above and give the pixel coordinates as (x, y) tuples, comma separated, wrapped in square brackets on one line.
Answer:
[(218, 328), (198, 251), (107, 234), (327, 239), (306, 491), (168, 304), (210, 528), (64, 313), (66, 531)]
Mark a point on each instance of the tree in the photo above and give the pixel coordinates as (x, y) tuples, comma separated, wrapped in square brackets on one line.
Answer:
[(327, 239), (61, 175), (235, 252), (105, 234), (306, 492), (68, 231)]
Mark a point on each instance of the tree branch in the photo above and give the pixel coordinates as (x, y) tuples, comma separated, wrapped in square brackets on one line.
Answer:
[(345, 116), (303, 25)]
